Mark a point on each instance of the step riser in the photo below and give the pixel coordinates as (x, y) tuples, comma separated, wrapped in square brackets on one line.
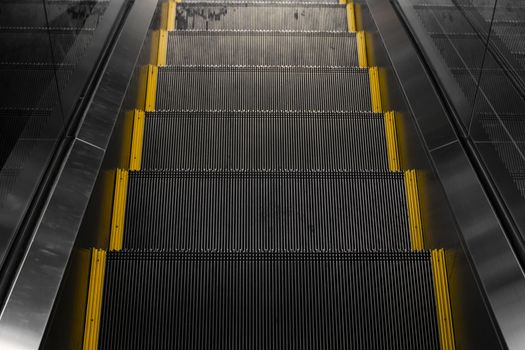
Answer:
[(169, 302), (236, 212), (254, 143), (262, 49), (263, 89), (261, 17)]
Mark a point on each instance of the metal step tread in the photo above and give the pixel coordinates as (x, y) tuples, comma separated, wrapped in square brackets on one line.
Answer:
[(168, 300), (262, 16), (263, 88), (264, 140), (262, 48), (266, 211)]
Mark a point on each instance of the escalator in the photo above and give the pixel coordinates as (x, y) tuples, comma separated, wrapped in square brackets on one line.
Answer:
[(264, 205)]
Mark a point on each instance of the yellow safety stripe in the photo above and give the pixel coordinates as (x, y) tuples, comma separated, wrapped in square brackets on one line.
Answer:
[(162, 48), (444, 314), (159, 47), (391, 141), (375, 89), (136, 140), (94, 301), (167, 17), (414, 214), (154, 53), (350, 18), (119, 210), (361, 49), (342, 2), (151, 87)]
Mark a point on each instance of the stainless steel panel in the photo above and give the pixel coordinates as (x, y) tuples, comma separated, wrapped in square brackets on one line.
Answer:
[(25, 316), (483, 258), (27, 310)]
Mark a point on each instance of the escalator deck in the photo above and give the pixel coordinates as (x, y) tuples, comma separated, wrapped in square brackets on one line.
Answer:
[(264, 206)]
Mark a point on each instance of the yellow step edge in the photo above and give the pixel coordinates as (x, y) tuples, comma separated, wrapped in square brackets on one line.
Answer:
[(163, 48), (350, 18), (168, 15), (444, 313), (119, 210), (155, 36), (159, 47), (361, 49), (151, 87), (375, 89), (414, 214), (391, 141), (342, 2), (136, 139), (94, 301)]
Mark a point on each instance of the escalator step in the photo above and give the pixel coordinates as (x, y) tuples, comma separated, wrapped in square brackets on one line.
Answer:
[(261, 16), (263, 88), (265, 211), (156, 300), (264, 140), (262, 48)]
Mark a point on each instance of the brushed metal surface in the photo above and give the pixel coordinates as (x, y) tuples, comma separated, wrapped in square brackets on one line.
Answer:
[(30, 303), (490, 255)]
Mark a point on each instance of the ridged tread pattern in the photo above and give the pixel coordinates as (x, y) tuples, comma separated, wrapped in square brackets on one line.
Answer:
[(255, 301), (261, 48), (263, 88), (261, 16), (264, 140), (266, 211)]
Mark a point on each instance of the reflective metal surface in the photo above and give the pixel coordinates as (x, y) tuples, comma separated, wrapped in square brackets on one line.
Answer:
[(47, 54), (473, 49), (30, 303), (489, 252)]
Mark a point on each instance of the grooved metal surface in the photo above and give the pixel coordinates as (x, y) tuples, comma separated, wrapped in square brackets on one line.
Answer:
[(265, 211), (262, 48), (264, 140), (261, 16), (245, 301), (263, 88)]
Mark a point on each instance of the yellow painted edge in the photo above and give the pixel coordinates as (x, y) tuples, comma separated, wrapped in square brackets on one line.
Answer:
[(172, 10), (414, 214), (162, 46), (151, 88), (164, 15), (342, 2), (136, 140), (94, 301), (391, 141), (350, 17), (444, 313), (375, 89), (154, 53), (361, 49), (119, 209)]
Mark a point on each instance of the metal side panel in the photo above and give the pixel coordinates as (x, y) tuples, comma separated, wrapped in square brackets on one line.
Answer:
[(264, 48), (263, 88), (30, 306), (243, 301), (261, 16), (487, 283), (262, 211), (264, 140)]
